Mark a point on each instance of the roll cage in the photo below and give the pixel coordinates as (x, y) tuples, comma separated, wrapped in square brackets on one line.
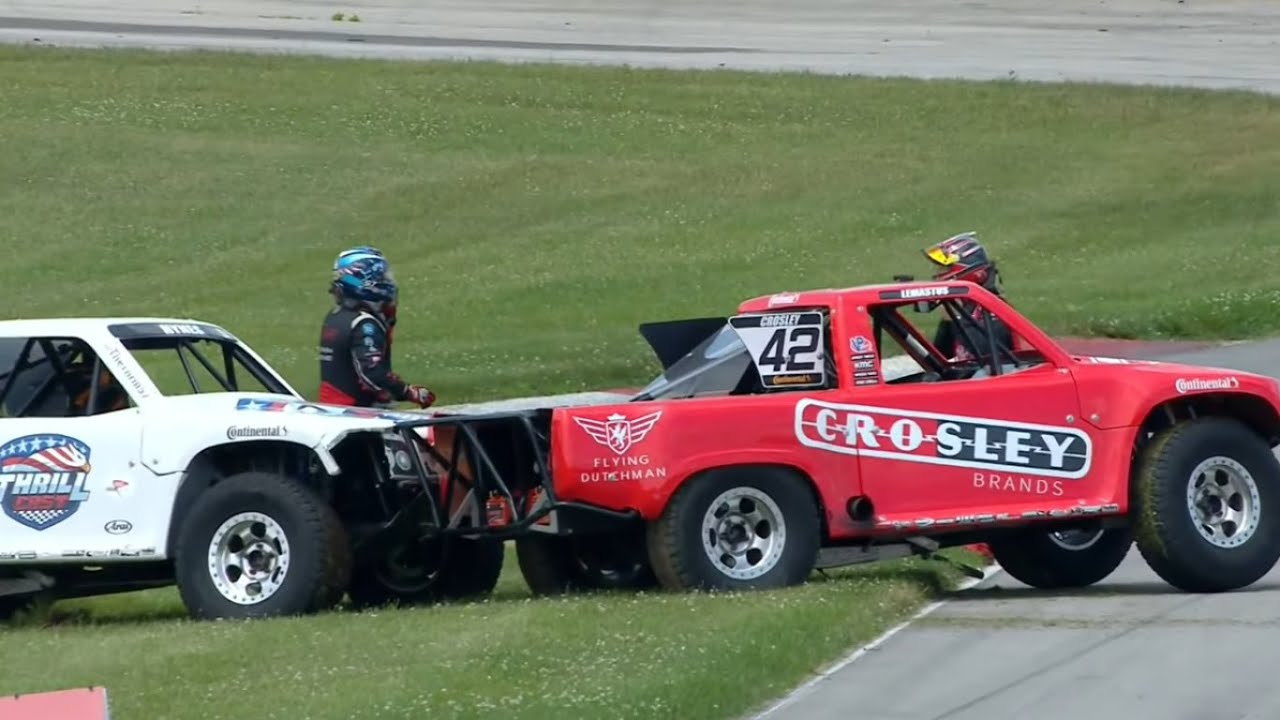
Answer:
[(990, 354), (233, 356), (63, 376), (483, 475), (50, 371)]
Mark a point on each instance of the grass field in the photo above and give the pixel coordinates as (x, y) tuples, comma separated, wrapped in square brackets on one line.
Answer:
[(678, 656), (535, 216)]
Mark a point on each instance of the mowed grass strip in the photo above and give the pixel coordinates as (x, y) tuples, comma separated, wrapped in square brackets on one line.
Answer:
[(665, 655), (536, 215)]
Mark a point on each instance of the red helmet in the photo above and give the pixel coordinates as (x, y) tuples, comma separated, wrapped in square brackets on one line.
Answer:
[(962, 257)]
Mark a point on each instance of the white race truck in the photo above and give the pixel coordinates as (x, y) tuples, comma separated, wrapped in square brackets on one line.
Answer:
[(144, 452)]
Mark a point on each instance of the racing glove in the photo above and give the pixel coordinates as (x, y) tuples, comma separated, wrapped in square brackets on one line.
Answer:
[(420, 396)]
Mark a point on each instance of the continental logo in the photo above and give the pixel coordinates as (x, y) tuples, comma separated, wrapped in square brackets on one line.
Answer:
[(1186, 385)]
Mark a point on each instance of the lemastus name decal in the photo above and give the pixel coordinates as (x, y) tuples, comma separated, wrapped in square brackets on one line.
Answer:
[(937, 439)]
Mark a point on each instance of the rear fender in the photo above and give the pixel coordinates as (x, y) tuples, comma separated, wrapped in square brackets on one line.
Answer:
[(651, 501)]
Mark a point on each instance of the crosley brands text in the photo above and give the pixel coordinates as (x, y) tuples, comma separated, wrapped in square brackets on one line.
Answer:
[(937, 439)]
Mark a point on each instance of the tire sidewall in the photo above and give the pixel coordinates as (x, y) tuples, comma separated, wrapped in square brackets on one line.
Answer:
[(219, 504), (1256, 461), (1171, 533), (1035, 559), (799, 516), (617, 562), (472, 568)]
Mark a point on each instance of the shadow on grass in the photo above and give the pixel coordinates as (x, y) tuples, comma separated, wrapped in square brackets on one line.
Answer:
[(936, 579), (932, 578), (88, 616)]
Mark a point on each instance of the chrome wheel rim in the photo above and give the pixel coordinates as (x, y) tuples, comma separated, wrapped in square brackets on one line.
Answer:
[(743, 533), (1223, 502), (1075, 539), (248, 558)]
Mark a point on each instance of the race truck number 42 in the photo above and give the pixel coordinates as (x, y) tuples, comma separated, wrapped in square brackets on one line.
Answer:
[(787, 348)]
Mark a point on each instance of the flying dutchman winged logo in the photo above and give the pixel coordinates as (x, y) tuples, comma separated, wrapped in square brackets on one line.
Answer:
[(618, 433)]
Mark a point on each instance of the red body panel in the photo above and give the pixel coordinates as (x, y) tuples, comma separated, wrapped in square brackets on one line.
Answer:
[(688, 436), (1049, 441)]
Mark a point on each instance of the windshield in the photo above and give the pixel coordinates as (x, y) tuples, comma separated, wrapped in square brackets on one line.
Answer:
[(186, 366), (716, 366)]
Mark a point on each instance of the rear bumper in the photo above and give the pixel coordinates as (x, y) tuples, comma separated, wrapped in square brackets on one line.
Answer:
[(489, 475)]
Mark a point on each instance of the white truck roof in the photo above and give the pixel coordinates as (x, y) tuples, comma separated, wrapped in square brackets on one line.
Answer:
[(26, 327)]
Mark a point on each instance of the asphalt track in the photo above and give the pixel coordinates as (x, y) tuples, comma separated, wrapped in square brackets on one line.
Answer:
[(1210, 43), (1128, 648)]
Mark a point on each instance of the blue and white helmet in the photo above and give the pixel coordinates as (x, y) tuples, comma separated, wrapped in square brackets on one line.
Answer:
[(363, 274)]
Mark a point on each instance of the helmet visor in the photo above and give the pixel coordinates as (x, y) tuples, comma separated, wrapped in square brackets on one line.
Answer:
[(942, 257)]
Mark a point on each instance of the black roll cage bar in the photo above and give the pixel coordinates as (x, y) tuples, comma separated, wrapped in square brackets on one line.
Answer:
[(487, 479), (231, 352), (886, 315), (55, 357)]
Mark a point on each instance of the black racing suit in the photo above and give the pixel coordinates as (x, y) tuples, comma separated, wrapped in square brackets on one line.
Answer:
[(355, 360), (951, 342)]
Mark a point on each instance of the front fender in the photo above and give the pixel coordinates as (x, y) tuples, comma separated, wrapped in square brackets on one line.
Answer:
[(1110, 400)]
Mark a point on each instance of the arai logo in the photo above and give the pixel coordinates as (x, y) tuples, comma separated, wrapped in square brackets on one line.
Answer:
[(118, 527)]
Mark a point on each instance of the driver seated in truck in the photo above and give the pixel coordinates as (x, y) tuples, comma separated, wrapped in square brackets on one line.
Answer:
[(111, 395), (962, 257), (355, 339)]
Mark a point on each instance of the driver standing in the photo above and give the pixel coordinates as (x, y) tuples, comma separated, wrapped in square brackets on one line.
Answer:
[(355, 340), (962, 257)]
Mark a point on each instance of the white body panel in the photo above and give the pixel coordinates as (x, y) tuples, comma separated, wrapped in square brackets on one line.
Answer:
[(103, 486)]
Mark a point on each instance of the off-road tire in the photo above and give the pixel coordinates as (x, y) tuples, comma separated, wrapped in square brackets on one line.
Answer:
[(676, 544), (1164, 528), (553, 565), (470, 568), (1033, 558), (319, 550), (13, 605), (474, 568)]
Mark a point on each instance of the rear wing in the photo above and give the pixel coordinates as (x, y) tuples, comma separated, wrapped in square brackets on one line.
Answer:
[(671, 340)]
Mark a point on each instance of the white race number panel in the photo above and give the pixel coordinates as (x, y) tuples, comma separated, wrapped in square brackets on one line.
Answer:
[(787, 348)]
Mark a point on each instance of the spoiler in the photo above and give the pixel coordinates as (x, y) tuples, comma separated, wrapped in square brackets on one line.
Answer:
[(672, 339)]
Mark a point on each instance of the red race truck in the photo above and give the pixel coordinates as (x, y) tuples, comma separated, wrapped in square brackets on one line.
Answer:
[(774, 442)]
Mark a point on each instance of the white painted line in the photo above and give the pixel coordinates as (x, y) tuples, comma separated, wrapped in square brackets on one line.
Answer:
[(988, 572)]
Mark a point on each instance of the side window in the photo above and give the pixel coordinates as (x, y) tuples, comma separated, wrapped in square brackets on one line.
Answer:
[(191, 367), (56, 377), (951, 339)]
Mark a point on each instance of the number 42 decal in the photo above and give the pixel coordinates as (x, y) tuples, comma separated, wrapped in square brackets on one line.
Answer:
[(787, 348)]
